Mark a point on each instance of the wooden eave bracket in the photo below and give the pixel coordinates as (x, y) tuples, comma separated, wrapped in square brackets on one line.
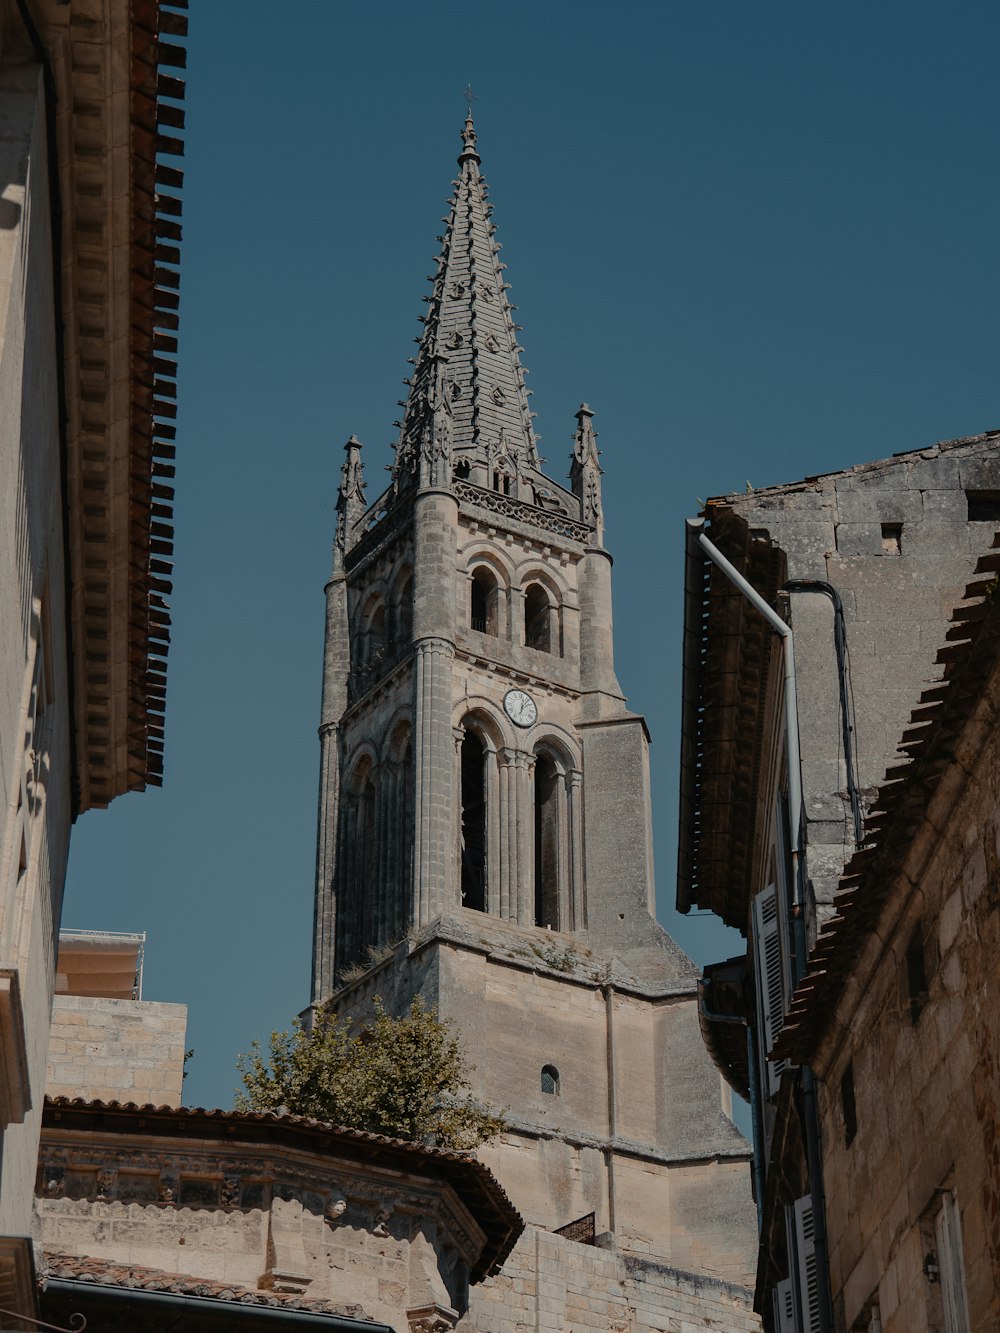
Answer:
[(15, 1090)]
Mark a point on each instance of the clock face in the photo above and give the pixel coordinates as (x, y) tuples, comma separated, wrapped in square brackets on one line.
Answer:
[(520, 708)]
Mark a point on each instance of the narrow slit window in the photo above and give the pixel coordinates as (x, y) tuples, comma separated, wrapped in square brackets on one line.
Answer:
[(550, 1080), (916, 974), (849, 1106)]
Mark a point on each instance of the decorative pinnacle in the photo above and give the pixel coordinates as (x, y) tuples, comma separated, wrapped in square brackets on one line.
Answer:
[(469, 153)]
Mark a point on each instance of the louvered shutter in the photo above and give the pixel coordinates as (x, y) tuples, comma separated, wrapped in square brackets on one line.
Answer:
[(805, 1263), (784, 1307), (770, 965), (948, 1229)]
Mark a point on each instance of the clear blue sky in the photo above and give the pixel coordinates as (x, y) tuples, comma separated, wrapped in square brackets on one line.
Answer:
[(759, 239)]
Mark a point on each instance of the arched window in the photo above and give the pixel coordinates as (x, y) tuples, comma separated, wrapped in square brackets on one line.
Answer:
[(483, 610), (550, 1080), (369, 850), (372, 639), (546, 843), (537, 618), (403, 615), (473, 846)]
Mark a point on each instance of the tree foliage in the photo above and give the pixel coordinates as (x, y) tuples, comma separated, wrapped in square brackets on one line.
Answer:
[(404, 1077)]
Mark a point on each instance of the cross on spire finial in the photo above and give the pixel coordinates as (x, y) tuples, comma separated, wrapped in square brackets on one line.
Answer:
[(470, 97)]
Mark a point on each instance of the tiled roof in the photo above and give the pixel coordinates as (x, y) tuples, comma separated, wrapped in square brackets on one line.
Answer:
[(473, 1182), (110, 1273), (971, 652)]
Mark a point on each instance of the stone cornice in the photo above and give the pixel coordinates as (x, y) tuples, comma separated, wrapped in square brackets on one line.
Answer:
[(287, 1147)]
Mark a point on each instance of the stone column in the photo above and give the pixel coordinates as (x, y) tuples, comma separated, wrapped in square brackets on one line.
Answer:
[(515, 627), (459, 735), (434, 816), (564, 858), (525, 835), (574, 801), (435, 538), (602, 693), (325, 908), (336, 670), (493, 892), (507, 835), (383, 836)]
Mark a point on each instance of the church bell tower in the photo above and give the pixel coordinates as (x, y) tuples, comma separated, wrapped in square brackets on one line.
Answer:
[(484, 816)]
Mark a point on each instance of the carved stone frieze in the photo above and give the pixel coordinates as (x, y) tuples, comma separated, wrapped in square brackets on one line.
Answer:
[(505, 506)]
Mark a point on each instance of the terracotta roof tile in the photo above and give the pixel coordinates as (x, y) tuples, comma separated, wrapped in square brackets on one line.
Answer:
[(110, 1273)]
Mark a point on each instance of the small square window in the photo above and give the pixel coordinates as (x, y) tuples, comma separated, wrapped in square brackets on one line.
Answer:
[(892, 538), (984, 506)]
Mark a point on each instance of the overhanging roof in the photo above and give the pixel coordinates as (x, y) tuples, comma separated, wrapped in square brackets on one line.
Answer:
[(114, 135), (99, 963), (727, 661)]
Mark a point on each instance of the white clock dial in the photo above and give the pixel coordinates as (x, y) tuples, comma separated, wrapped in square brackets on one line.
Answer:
[(520, 708)]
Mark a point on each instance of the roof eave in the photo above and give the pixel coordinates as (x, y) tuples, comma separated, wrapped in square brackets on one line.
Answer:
[(117, 273)]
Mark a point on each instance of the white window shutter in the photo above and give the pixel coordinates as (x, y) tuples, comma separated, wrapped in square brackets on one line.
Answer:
[(770, 967), (784, 1307), (805, 1263), (948, 1230)]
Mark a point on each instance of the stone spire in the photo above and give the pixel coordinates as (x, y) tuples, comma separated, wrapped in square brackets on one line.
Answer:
[(585, 472), (351, 501), (468, 350)]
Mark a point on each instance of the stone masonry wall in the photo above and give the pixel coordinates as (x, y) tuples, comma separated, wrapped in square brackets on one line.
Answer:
[(927, 1082), (116, 1050), (553, 1285), (895, 540), (34, 776)]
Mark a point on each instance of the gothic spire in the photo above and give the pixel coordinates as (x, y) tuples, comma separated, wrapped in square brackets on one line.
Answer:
[(469, 344)]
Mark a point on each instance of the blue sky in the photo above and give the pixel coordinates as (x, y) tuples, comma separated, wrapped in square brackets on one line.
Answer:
[(760, 241)]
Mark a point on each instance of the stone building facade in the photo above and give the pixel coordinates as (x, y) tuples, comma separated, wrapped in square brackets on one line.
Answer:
[(88, 272), (484, 816), (899, 1015), (794, 704)]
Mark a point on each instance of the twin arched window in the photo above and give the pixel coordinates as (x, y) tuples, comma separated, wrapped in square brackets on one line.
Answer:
[(385, 626), (542, 629), (519, 853)]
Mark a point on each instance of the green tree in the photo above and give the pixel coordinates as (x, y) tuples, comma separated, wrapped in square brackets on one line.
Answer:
[(405, 1077)]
